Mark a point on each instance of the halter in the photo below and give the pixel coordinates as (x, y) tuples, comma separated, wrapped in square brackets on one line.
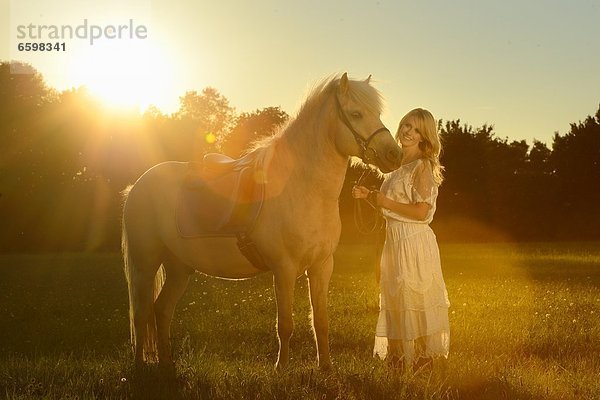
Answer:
[(367, 154)]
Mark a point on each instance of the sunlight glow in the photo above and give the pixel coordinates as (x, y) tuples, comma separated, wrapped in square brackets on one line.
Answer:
[(124, 74)]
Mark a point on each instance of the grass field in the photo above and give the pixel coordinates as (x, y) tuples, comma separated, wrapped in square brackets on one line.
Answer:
[(525, 324)]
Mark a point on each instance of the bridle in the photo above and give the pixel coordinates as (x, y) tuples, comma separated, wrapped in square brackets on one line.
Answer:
[(367, 154)]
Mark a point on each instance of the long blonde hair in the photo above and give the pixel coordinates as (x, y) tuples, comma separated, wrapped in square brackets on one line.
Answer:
[(431, 146)]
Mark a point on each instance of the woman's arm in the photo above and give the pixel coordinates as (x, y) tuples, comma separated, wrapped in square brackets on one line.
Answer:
[(416, 211), (423, 188)]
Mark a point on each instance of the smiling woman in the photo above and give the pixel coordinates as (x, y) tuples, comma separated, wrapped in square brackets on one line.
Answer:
[(124, 74)]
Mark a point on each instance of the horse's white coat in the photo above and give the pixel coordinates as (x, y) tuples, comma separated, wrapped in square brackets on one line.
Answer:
[(297, 231)]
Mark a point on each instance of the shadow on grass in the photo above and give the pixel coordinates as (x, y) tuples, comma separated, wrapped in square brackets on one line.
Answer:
[(156, 382), (62, 304), (488, 388)]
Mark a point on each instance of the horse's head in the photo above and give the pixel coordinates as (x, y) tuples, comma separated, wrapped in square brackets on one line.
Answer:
[(361, 132)]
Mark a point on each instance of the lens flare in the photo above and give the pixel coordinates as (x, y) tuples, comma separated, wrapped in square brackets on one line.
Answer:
[(210, 138)]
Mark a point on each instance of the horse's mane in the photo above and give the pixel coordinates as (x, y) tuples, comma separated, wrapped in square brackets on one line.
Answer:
[(360, 91)]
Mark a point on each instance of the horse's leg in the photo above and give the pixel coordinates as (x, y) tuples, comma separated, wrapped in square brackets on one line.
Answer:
[(143, 255), (177, 279), (144, 284), (284, 283), (318, 280)]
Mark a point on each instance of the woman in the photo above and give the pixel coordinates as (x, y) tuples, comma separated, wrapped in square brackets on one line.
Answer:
[(413, 320)]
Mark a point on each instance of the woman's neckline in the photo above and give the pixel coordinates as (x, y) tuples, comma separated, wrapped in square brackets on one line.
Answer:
[(410, 162)]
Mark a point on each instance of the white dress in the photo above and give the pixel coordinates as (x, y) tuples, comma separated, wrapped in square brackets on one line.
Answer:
[(413, 298)]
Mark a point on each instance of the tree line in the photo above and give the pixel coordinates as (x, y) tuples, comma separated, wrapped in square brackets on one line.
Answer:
[(66, 158)]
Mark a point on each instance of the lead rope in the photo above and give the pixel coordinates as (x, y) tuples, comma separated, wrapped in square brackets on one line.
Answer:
[(363, 227), (377, 227)]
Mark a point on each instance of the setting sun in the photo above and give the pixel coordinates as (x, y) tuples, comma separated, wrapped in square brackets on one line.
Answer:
[(123, 75)]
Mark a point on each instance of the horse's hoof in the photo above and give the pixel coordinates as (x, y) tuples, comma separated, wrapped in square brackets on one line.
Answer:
[(326, 367), (280, 366)]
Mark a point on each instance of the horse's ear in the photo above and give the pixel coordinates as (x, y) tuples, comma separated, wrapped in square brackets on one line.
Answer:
[(368, 80), (344, 84)]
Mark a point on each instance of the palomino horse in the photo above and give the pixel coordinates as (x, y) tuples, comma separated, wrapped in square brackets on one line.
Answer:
[(296, 231)]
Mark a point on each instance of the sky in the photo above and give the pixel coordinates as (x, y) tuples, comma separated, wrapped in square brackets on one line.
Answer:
[(529, 68)]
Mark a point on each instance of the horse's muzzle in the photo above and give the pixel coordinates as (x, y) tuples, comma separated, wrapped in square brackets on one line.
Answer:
[(390, 161)]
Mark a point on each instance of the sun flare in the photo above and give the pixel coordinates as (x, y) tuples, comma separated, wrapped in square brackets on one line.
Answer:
[(124, 74)]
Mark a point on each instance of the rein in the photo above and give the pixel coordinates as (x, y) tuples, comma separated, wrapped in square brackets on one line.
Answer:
[(363, 227), (367, 154)]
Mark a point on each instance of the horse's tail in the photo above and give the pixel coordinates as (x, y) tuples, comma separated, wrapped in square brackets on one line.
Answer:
[(149, 335)]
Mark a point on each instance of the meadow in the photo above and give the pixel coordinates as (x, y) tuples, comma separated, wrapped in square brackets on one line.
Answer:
[(525, 324)]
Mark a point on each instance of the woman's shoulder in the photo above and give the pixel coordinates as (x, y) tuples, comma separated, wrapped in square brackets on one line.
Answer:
[(423, 169), (422, 165)]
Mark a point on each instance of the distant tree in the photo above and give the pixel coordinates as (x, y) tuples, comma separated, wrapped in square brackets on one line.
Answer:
[(464, 152), (23, 96), (27, 106), (532, 197), (25, 103), (252, 126), (575, 162), (484, 176), (22, 92), (576, 155), (153, 112), (207, 117), (539, 159)]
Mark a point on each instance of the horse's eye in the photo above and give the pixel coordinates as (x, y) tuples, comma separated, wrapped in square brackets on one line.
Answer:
[(356, 114)]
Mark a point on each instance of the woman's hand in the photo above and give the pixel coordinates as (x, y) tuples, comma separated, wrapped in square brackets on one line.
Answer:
[(360, 192)]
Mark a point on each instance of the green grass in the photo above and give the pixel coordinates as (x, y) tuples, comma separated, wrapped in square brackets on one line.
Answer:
[(525, 324)]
